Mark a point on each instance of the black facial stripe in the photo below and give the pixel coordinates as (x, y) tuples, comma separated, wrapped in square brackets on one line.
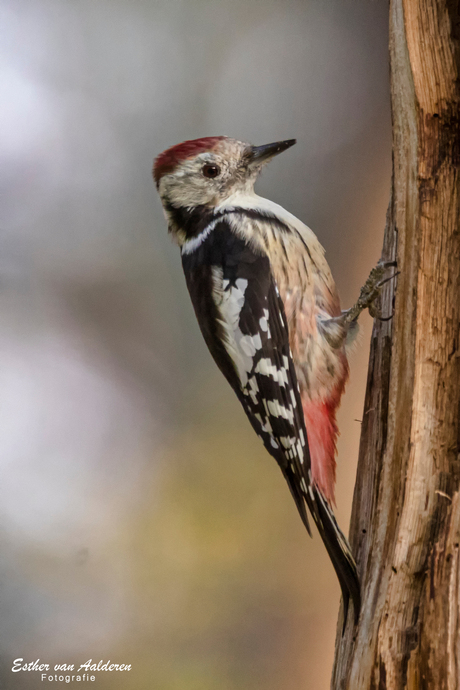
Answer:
[(193, 220), (256, 214), (220, 248)]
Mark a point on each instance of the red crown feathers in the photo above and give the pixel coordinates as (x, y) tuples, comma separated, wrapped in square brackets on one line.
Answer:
[(167, 161)]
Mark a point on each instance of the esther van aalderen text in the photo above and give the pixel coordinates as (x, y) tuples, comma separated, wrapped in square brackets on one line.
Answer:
[(81, 673)]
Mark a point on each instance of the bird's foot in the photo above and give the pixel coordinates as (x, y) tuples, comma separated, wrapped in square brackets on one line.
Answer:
[(338, 328), (370, 292)]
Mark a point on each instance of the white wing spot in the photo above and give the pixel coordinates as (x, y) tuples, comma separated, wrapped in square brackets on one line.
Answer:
[(263, 323), (267, 427), (273, 408), (229, 299), (241, 284), (278, 410), (287, 441), (254, 389), (250, 344), (300, 451), (265, 366)]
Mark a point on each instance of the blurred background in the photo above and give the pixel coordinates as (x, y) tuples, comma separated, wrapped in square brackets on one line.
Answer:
[(140, 518)]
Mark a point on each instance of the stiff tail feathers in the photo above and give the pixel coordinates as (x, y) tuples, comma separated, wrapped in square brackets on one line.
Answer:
[(334, 540), (339, 552)]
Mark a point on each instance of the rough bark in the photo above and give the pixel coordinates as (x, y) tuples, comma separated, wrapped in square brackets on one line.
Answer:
[(405, 528)]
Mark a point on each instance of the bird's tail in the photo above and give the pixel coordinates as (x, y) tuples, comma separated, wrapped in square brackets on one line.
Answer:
[(338, 549), (335, 541)]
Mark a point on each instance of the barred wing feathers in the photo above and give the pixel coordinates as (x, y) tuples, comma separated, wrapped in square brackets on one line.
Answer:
[(242, 318)]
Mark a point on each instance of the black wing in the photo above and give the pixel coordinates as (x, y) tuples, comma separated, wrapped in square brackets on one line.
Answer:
[(242, 318)]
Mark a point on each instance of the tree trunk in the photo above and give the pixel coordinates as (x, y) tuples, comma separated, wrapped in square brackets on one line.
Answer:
[(405, 527)]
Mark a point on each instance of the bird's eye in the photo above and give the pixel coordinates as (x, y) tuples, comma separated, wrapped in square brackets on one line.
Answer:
[(211, 170)]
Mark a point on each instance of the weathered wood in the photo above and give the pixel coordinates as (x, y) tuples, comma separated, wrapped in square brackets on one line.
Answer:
[(405, 527)]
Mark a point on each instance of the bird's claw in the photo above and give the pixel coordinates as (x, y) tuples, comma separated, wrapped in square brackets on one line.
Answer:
[(370, 292), (378, 315)]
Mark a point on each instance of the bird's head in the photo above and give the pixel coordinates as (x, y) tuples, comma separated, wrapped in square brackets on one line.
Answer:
[(200, 174)]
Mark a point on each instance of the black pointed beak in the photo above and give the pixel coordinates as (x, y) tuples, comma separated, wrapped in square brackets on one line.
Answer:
[(262, 154)]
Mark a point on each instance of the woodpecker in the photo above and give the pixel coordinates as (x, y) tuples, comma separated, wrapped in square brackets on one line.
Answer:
[(269, 312)]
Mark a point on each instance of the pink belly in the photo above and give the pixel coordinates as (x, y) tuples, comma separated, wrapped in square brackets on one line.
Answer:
[(322, 372)]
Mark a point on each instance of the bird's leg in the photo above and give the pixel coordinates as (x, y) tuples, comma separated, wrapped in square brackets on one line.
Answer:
[(336, 329), (369, 293)]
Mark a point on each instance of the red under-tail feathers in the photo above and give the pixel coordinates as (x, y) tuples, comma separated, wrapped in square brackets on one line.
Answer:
[(322, 431)]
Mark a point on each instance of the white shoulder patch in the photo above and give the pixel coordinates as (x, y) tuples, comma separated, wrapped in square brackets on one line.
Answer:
[(229, 300)]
